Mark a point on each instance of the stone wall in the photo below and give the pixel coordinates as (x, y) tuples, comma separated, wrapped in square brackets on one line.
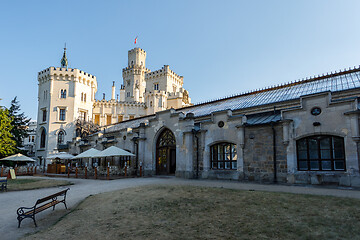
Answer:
[(258, 154)]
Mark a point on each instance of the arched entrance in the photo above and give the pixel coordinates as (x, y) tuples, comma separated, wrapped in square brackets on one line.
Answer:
[(166, 153)]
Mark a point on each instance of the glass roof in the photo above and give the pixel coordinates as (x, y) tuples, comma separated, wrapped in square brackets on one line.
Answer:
[(333, 83)]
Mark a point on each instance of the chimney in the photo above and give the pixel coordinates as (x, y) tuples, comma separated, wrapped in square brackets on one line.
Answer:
[(113, 91)]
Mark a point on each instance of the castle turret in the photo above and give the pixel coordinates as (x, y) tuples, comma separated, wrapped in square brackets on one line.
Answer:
[(134, 75), (113, 91)]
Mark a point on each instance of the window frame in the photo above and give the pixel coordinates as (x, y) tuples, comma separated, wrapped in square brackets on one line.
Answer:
[(62, 114), (63, 93), (322, 150), (44, 115), (220, 164), (61, 137)]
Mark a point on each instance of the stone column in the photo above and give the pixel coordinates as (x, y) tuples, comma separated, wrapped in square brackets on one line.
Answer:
[(240, 150)]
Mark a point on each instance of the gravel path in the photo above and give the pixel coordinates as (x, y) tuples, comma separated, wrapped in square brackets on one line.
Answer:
[(11, 201)]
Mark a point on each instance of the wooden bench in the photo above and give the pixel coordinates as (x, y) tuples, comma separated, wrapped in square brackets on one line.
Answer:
[(41, 205), (3, 183)]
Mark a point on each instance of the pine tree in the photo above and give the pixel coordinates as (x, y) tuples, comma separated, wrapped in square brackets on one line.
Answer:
[(7, 143), (19, 122)]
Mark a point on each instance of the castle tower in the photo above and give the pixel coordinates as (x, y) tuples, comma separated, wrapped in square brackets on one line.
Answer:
[(134, 75), (64, 95)]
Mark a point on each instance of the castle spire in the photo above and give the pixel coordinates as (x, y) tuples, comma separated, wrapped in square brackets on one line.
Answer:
[(64, 61)]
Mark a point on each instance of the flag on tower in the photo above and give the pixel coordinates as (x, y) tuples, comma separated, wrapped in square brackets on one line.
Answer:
[(135, 40)]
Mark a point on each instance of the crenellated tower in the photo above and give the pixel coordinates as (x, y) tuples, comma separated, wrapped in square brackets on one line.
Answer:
[(134, 76), (65, 95)]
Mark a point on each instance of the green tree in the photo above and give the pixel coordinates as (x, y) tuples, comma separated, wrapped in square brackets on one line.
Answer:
[(19, 122), (7, 143)]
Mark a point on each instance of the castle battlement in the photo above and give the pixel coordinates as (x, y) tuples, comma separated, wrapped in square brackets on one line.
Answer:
[(67, 74), (137, 50), (118, 103), (165, 70)]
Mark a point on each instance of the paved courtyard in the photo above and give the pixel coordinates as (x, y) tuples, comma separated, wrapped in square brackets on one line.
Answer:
[(82, 188)]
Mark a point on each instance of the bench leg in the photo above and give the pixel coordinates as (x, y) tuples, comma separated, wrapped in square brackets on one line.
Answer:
[(19, 220), (65, 205), (34, 221)]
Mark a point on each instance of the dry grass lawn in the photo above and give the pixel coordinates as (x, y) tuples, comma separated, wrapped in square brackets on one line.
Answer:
[(34, 183), (185, 212)]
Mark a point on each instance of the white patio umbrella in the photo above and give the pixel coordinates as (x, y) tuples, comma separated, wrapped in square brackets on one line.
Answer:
[(88, 153), (18, 158), (61, 156), (113, 152)]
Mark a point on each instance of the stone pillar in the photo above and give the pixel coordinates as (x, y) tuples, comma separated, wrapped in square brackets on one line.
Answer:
[(240, 150), (141, 145), (189, 154)]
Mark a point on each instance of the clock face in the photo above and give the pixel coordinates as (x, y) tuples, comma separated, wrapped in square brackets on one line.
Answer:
[(315, 111)]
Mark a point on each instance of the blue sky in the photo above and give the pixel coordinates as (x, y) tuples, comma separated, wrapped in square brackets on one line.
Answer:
[(220, 47)]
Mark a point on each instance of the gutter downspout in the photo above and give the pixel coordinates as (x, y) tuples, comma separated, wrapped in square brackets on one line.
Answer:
[(274, 152)]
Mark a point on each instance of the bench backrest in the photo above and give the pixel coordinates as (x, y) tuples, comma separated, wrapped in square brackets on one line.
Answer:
[(53, 196)]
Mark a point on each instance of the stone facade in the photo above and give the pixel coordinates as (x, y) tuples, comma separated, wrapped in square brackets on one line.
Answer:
[(254, 136)]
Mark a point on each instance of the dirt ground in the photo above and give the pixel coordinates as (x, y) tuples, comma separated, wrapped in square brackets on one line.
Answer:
[(189, 212)]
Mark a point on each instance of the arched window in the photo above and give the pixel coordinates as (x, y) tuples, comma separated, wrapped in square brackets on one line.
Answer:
[(223, 156), (63, 93), (321, 153), (61, 136), (42, 138)]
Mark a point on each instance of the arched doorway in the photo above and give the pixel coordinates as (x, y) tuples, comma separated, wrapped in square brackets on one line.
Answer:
[(166, 153)]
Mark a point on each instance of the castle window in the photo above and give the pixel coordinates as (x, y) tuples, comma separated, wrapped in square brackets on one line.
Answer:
[(82, 115), (84, 97), (156, 86), (63, 93), (321, 153), (61, 137), (128, 94), (42, 138), (97, 119), (62, 114), (131, 117), (223, 156), (108, 119), (32, 138), (120, 118), (174, 88), (44, 115)]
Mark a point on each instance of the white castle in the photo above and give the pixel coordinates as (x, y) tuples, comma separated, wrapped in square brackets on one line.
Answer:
[(66, 95)]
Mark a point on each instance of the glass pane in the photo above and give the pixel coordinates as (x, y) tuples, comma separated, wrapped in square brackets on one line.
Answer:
[(326, 165), (339, 165), (234, 153), (338, 147), (314, 165), (325, 143), (221, 153), (302, 145), (234, 165), (214, 165), (302, 155), (227, 165), (325, 154), (303, 165), (313, 149), (221, 165)]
